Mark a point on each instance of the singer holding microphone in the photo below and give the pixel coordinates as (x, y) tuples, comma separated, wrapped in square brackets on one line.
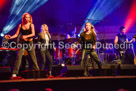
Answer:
[(44, 39)]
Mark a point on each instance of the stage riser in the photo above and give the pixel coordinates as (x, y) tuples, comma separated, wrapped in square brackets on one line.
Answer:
[(107, 70), (74, 71), (5, 73), (107, 84), (34, 74)]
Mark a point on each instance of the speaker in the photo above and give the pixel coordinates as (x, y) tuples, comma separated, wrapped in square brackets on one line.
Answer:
[(126, 69), (72, 70), (56, 70), (5, 73), (107, 70), (34, 74)]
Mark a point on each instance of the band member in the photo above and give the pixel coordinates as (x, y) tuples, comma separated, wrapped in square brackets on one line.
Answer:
[(88, 41), (27, 30), (44, 39), (120, 39), (68, 36)]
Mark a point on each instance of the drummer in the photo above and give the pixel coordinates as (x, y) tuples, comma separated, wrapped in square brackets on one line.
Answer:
[(70, 51), (68, 36)]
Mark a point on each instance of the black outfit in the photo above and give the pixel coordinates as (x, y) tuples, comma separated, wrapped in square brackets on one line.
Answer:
[(21, 52), (45, 52), (25, 61), (121, 51), (134, 36), (121, 39), (87, 41)]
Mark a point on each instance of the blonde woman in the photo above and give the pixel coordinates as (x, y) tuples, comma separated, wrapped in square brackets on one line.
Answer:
[(88, 41), (45, 41)]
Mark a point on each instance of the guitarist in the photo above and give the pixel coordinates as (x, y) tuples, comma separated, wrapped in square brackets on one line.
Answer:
[(120, 39)]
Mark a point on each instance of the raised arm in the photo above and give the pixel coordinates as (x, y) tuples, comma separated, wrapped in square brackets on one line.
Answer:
[(48, 34)]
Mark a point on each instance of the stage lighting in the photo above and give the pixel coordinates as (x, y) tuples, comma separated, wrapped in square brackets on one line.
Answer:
[(2, 35), (100, 10), (78, 35), (19, 7), (131, 18)]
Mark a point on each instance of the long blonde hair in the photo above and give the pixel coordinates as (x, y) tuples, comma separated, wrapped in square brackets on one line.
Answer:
[(92, 28), (44, 26), (41, 31)]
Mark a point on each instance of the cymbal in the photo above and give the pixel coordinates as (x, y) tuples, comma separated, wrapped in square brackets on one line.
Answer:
[(58, 35), (71, 40)]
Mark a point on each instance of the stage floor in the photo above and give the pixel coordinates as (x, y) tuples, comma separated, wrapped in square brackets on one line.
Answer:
[(94, 83), (114, 77), (66, 78)]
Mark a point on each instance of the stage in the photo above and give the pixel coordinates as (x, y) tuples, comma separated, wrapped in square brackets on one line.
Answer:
[(94, 83), (70, 78), (73, 35)]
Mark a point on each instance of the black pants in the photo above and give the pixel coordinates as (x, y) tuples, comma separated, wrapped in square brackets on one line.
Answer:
[(25, 62), (44, 54), (120, 55), (93, 55), (31, 52)]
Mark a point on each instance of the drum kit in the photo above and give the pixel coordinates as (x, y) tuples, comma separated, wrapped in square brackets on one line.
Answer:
[(68, 55), (72, 54)]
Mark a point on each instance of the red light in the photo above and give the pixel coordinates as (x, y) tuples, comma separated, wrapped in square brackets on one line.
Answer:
[(131, 17), (2, 3)]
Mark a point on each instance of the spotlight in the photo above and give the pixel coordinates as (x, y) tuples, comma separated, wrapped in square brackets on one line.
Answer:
[(2, 35), (100, 10), (19, 7), (131, 18), (78, 35)]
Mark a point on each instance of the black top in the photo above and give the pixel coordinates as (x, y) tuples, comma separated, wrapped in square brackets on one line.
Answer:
[(42, 41), (121, 38), (87, 40), (25, 32)]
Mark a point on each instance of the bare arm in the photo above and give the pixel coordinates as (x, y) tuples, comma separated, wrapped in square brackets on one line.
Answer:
[(116, 40), (48, 34), (132, 40), (15, 35), (127, 40)]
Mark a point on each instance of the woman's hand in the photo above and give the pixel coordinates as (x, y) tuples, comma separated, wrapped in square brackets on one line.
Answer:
[(47, 31), (24, 38), (7, 36), (94, 47), (54, 49), (133, 40)]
